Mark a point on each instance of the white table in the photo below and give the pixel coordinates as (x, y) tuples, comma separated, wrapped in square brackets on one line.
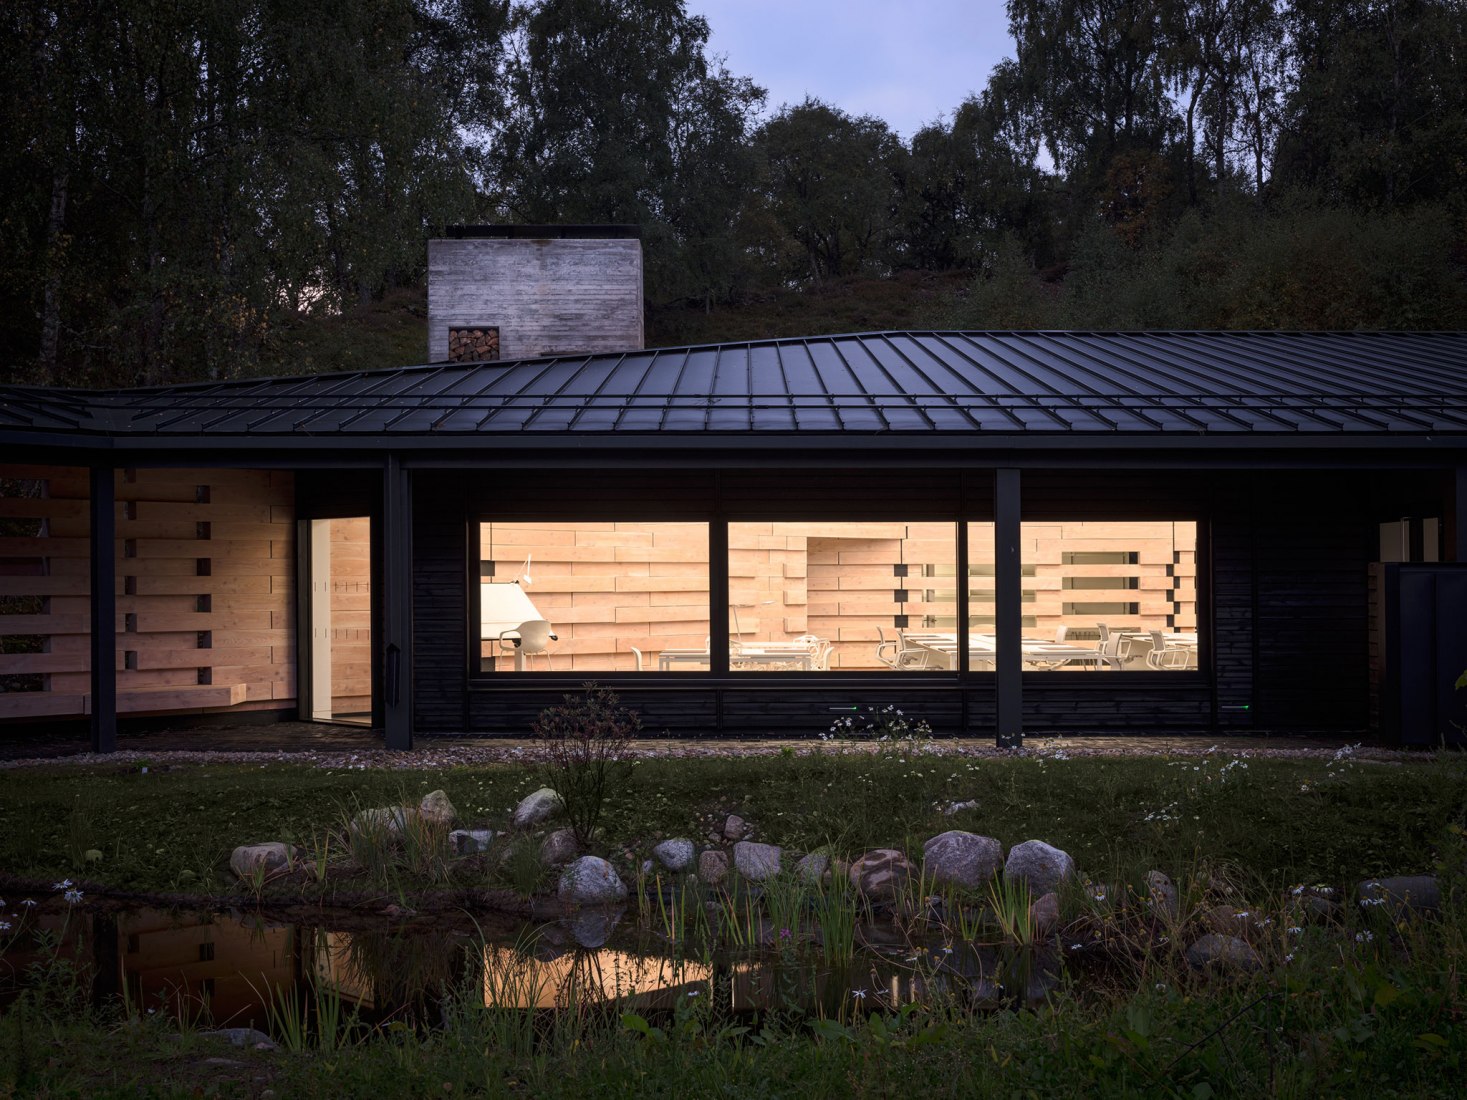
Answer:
[(790, 654), (983, 649)]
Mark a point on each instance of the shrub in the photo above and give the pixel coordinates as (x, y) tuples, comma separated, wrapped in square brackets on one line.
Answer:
[(582, 751)]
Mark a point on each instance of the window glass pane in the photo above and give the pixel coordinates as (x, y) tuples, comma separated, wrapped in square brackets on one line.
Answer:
[(840, 596), (1111, 595), (616, 596)]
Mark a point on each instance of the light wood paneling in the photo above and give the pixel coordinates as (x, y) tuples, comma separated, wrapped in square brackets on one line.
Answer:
[(204, 590)]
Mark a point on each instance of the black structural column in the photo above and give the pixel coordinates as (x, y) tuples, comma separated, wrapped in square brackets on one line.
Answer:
[(104, 609), (1008, 610), (1457, 531), (397, 605)]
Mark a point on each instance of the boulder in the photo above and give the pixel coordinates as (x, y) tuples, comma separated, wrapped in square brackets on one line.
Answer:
[(436, 809), (956, 858), (756, 862), (882, 874), (273, 857), (735, 827), (812, 868), (1042, 867), (1231, 920), (952, 808), (1044, 915), (1402, 894), (468, 842), (535, 807), (712, 867), (1219, 952), (590, 880), (385, 823), (1161, 896), (675, 854), (559, 847)]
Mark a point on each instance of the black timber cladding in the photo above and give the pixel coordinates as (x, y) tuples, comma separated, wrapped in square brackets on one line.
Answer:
[(1178, 385)]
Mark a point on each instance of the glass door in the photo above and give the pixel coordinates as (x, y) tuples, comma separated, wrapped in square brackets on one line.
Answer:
[(341, 620)]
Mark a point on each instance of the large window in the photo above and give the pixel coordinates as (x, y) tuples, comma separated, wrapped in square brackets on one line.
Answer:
[(1107, 596), (591, 597), (812, 596), (825, 597)]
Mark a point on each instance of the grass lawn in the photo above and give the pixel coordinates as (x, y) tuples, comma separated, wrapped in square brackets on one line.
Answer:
[(1356, 1004), (1275, 821)]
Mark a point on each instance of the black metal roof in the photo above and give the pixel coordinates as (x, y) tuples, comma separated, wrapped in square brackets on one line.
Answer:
[(998, 384)]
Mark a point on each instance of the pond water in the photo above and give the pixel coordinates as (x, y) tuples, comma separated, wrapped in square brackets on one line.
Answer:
[(229, 968)]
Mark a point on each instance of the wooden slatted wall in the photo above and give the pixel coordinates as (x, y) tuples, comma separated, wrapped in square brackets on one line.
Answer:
[(204, 591)]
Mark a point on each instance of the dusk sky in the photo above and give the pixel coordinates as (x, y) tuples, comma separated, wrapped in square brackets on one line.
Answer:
[(909, 63)]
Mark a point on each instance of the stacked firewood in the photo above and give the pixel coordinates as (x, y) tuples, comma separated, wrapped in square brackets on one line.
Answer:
[(473, 345)]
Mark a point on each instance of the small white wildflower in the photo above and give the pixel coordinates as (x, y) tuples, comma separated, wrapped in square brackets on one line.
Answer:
[(1076, 946), (1297, 890), (1099, 895), (1295, 930), (1289, 957), (1364, 937), (1372, 901), (859, 994), (72, 896), (1161, 987), (29, 903), (4, 926), (64, 884), (694, 992)]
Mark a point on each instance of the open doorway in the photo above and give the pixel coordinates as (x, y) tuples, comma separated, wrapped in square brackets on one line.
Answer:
[(340, 612)]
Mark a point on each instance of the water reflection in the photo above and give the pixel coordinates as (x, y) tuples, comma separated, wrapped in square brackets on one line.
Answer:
[(228, 969)]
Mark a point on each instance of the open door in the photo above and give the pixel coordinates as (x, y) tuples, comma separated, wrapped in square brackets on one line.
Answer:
[(340, 620)]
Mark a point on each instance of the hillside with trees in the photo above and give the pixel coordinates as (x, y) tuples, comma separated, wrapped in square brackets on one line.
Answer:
[(228, 188)]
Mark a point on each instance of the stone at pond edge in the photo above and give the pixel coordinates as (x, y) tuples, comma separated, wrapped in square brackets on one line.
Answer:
[(675, 854), (712, 867), (1403, 893), (535, 807), (1044, 915), (468, 842), (273, 857), (756, 862), (386, 823), (735, 827), (437, 809), (812, 868), (559, 847), (1041, 866), (880, 875), (1223, 952), (962, 859), (590, 880), (1162, 899), (953, 808)]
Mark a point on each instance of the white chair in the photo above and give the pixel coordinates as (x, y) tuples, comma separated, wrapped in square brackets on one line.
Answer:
[(820, 661), (1165, 657), (1113, 647), (886, 649), (910, 658), (1060, 634), (530, 638), (636, 656)]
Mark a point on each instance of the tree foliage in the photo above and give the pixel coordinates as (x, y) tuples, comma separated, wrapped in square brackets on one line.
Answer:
[(183, 183)]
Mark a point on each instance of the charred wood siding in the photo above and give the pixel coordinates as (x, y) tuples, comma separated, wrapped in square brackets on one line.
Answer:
[(1282, 592)]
